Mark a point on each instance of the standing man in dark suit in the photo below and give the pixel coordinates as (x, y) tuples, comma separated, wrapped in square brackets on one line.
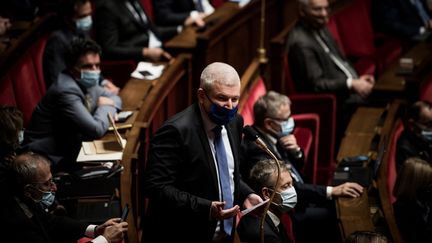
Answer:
[(192, 178), (125, 31), (24, 219), (75, 108), (262, 179), (315, 210), (181, 12), (317, 64)]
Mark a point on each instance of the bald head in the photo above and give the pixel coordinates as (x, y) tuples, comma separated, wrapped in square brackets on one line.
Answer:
[(220, 73)]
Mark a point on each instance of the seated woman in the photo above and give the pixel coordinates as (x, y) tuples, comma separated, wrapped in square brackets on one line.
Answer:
[(413, 190)]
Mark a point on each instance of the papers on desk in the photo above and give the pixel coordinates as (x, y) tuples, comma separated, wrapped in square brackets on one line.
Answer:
[(148, 70), (103, 150), (256, 207), (241, 3)]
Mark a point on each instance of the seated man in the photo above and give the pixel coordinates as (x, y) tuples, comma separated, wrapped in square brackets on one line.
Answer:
[(126, 32), (262, 179), (273, 123), (75, 108), (317, 64), (181, 12), (416, 139), (77, 23), (23, 218), (408, 19)]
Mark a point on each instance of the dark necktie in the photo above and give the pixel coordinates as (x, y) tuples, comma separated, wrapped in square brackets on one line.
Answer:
[(224, 177), (199, 6), (294, 171)]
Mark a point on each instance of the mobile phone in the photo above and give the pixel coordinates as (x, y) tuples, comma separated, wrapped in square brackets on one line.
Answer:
[(125, 212), (124, 115)]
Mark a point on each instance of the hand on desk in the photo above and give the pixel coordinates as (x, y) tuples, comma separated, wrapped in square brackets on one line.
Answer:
[(197, 20), (155, 54), (363, 85), (348, 189), (218, 212), (112, 230)]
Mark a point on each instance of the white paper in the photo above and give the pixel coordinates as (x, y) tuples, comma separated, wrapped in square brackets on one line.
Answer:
[(248, 210), (148, 70)]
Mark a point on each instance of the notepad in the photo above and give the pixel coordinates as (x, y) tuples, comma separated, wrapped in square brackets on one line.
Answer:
[(255, 207), (103, 150)]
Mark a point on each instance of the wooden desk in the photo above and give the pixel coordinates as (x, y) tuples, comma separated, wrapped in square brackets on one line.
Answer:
[(367, 124), (232, 36)]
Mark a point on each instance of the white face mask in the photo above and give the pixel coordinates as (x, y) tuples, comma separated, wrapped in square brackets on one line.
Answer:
[(427, 135), (84, 24), (288, 199), (287, 127)]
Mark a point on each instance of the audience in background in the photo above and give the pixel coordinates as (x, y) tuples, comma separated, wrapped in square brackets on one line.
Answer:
[(125, 31), (416, 139), (317, 64), (192, 178), (23, 217), (75, 108), (412, 209), (366, 237), (314, 211), (262, 180), (409, 19), (181, 12), (77, 23)]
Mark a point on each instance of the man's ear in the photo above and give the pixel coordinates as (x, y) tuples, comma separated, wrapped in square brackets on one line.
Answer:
[(265, 192), (201, 95)]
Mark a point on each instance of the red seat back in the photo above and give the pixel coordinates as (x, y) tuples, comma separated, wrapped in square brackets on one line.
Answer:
[(391, 167), (287, 223), (426, 90), (255, 92), (7, 95), (148, 7)]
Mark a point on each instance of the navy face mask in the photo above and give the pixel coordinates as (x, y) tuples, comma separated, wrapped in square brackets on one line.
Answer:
[(219, 114)]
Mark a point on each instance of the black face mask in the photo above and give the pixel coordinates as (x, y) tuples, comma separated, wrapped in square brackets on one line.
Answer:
[(219, 114)]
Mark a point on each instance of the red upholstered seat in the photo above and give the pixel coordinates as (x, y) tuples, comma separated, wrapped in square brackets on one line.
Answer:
[(255, 92), (358, 39), (287, 223), (37, 51), (118, 70), (148, 7), (7, 95), (426, 90), (217, 3), (391, 167)]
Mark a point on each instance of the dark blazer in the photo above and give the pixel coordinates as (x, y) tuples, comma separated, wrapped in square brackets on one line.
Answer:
[(121, 34), (35, 225), (397, 17), (311, 67), (172, 12), (67, 115), (181, 181), (249, 230), (251, 154)]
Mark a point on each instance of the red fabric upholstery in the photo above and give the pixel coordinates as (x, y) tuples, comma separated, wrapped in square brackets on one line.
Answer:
[(217, 3), (391, 166), (37, 51), (426, 90), (256, 91), (358, 39), (287, 223), (307, 135), (118, 71), (148, 7), (332, 27), (7, 95)]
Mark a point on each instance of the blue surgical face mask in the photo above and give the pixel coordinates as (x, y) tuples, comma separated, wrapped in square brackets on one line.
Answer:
[(47, 198), (288, 199), (427, 135), (84, 24), (287, 127), (221, 115), (89, 78)]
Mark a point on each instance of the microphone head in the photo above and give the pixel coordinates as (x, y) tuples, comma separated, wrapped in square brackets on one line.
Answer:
[(250, 133)]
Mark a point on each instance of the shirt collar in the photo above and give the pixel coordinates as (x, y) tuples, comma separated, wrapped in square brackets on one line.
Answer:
[(275, 219)]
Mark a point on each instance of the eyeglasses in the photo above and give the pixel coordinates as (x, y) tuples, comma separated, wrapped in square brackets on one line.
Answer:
[(48, 183)]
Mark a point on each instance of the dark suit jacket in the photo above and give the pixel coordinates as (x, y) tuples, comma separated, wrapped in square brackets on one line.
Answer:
[(36, 225), (311, 67), (397, 17), (62, 120), (181, 180), (121, 35), (251, 154), (172, 12), (249, 230)]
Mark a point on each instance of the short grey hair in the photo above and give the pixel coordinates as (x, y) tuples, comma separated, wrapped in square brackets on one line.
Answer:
[(219, 72), (304, 2), (269, 105), (26, 168), (261, 174)]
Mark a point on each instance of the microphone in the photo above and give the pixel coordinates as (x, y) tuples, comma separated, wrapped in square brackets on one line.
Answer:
[(251, 134)]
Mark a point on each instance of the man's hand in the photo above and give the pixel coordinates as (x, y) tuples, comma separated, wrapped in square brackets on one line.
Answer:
[(102, 100), (348, 189), (110, 87), (289, 143), (363, 86), (114, 233), (155, 54), (218, 212), (101, 228), (198, 20)]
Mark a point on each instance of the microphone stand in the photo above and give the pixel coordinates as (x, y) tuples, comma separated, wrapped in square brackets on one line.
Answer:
[(267, 150)]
